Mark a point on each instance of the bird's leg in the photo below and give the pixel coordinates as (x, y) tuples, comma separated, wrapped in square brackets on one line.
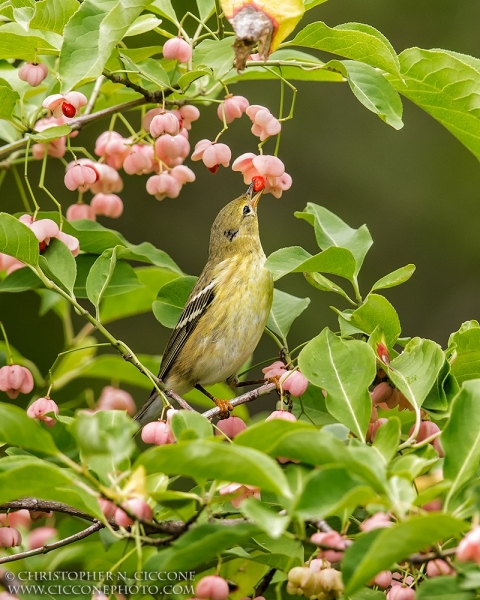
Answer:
[(224, 405), (234, 382)]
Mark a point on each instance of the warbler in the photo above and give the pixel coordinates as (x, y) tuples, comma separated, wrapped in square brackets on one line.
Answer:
[(226, 312)]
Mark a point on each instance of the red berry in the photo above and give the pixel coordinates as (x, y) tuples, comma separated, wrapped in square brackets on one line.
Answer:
[(68, 109), (383, 353), (42, 246), (213, 169), (258, 183)]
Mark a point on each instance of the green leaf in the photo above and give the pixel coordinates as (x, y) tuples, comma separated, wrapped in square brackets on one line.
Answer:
[(465, 360), (443, 391), (52, 133), (264, 517), (199, 545), (91, 35), (20, 280), (446, 86), (8, 100), (19, 430), (124, 279), (461, 438), (337, 261), (185, 80), (443, 588), (138, 300), (190, 425), (142, 24), (376, 311), (372, 89), (351, 40), (345, 369), (100, 276), (380, 549), (387, 439), (164, 9), (312, 3), (285, 309), (205, 460), (330, 230), (206, 8), (340, 491), (171, 299), (52, 15), (394, 278), (415, 370), (148, 69), (216, 55), (19, 44), (58, 263), (16, 239), (323, 284)]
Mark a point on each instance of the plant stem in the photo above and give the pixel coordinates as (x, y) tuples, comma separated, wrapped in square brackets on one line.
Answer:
[(9, 350)]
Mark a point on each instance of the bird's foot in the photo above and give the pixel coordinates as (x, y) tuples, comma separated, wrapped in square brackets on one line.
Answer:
[(224, 406)]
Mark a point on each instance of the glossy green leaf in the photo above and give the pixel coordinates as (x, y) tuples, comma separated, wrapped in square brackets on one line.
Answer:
[(58, 264), (372, 89), (171, 299), (415, 370), (387, 439), (139, 299), (164, 8), (461, 438), (322, 283), (330, 231), (185, 80), (142, 24), (376, 311), (52, 15), (19, 430), (204, 460), (444, 389), (52, 133), (206, 8), (100, 276), (20, 280), (124, 279), (90, 36), (17, 43), (351, 40), (447, 86), (187, 424), (8, 100), (345, 369), (264, 517), (340, 491), (216, 55), (465, 360), (380, 549), (17, 240), (285, 309), (312, 3), (443, 588), (148, 69), (394, 278)]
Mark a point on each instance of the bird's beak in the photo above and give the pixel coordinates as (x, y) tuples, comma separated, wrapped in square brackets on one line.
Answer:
[(254, 199)]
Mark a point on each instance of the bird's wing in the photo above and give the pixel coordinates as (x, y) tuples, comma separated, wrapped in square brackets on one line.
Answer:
[(197, 304)]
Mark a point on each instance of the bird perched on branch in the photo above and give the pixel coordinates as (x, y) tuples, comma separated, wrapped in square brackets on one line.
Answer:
[(226, 312)]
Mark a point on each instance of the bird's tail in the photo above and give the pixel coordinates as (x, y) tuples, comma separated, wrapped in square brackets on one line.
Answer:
[(151, 410)]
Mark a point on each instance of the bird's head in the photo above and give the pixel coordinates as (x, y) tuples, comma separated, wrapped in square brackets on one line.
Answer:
[(236, 225)]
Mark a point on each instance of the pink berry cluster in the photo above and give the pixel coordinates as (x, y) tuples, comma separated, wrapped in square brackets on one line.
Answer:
[(291, 381), (315, 580), (14, 380), (136, 506), (159, 432), (16, 530)]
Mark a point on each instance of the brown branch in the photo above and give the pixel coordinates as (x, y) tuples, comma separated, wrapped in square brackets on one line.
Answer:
[(243, 399), (264, 583), (97, 525), (34, 504)]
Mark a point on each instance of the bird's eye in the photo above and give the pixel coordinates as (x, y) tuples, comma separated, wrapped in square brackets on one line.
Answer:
[(246, 210)]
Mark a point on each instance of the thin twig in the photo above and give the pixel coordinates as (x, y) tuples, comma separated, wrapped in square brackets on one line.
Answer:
[(263, 390)]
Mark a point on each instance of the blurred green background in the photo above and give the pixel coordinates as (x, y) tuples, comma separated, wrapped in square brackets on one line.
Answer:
[(416, 189)]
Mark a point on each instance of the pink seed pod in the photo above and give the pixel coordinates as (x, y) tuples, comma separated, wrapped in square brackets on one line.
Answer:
[(278, 185), (231, 427), (242, 492), (33, 73), (294, 382), (377, 521), (140, 160), (212, 587), (114, 399), (283, 415), (108, 508), (269, 166), (40, 408), (438, 567), (381, 393), (469, 547), (398, 580), (427, 428), (164, 123), (157, 433), (40, 536), (14, 380), (163, 185), (76, 212), (44, 230), (70, 241), (233, 107), (213, 155), (137, 507), (188, 113), (109, 181), (109, 205), (332, 539), (401, 593), (276, 369), (182, 174), (169, 147), (383, 579), (9, 537), (113, 148), (65, 104), (373, 428), (9, 263), (177, 49), (80, 177), (19, 518)]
